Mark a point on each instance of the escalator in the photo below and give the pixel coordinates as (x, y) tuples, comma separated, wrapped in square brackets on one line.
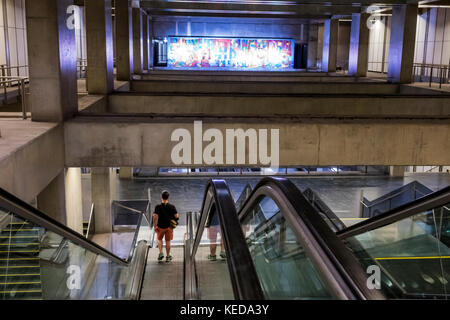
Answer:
[(41, 259), (282, 244), (278, 243)]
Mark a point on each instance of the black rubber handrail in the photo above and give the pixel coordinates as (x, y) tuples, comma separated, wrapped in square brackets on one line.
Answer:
[(16, 206), (243, 275), (428, 202), (352, 278)]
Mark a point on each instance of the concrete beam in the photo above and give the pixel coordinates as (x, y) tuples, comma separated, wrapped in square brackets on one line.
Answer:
[(99, 39), (359, 45), (302, 105), (124, 41), (145, 142), (52, 60), (402, 43)]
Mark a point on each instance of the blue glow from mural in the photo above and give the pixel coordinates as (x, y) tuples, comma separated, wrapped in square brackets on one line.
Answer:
[(230, 53)]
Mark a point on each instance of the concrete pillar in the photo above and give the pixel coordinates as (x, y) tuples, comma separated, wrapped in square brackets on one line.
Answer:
[(402, 43), (397, 171), (74, 200), (52, 200), (150, 42), (138, 54), (145, 50), (103, 193), (100, 49), (312, 45), (330, 43), (124, 40), (359, 45), (52, 57), (126, 173)]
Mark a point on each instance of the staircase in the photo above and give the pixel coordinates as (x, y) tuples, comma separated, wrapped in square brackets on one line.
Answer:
[(20, 276)]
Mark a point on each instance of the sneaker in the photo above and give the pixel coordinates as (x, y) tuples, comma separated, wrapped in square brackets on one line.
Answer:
[(160, 257), (223, 255), (212, 257), (168, 258)]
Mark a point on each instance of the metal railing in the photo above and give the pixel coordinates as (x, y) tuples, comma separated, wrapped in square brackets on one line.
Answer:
[(91, 225), (439, 73), (8, 70), (81, 68), (7, 81)]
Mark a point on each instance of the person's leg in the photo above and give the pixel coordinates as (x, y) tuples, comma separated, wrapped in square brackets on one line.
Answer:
[(212, 235), (160, 244), (169, 238)]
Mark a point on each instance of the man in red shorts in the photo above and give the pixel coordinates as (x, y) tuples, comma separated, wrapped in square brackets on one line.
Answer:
[(164, 212)]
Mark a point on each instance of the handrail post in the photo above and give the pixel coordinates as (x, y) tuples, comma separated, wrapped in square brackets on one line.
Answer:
[(22, 93)]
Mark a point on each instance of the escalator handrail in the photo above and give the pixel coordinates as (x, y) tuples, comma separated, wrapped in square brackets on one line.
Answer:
[(428, 202), (345, 275), (243, 275), (22, 209)]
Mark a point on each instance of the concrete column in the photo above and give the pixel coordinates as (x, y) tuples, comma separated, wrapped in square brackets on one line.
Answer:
[(124, 40), (138, 53), (397, 171), (150, 42), (402, 43), (145, 41), (74, 200), (52, 200), (100, 49), (312, 45), (126, 173), (359, 45), (330, 43), (103, 193), (52, 59)]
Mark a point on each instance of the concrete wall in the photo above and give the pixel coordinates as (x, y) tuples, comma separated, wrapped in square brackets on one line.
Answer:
[(13, 40), (343, 49), (433, 38), (133, 142), (230, 27), (379, 38), (28, 169)]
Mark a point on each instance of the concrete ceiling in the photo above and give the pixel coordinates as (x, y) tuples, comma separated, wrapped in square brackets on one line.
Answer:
[(305, 9)]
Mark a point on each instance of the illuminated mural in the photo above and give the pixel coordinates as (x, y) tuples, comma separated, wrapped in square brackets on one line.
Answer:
[(230, 53)]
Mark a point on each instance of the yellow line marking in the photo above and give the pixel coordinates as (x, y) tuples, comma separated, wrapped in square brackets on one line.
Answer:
[(354, 218), (19, 274), (35, 230), (26, 251), (16, 237), (18, 223), (16, 267), (18, 244), (4, 259), (412, 258), (11, 283), (21, 291)]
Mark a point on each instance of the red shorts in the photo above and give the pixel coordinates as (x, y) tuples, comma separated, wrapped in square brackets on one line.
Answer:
[(212, 232), (167, 233)]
